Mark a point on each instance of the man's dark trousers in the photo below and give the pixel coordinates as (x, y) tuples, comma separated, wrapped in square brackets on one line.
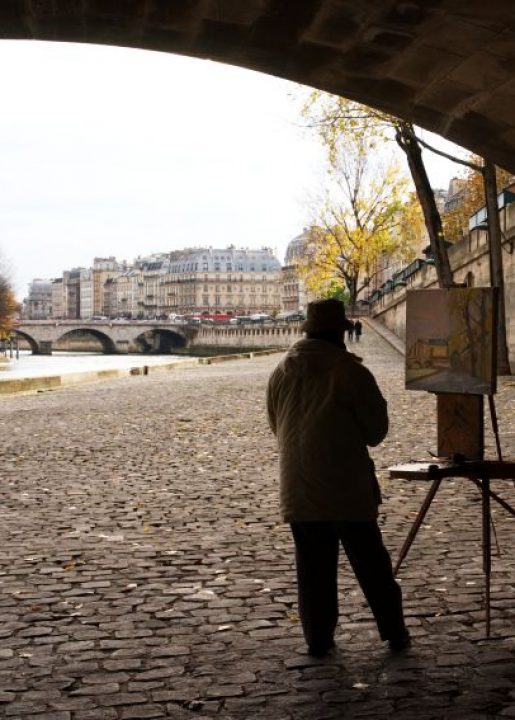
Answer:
[(316, 551)]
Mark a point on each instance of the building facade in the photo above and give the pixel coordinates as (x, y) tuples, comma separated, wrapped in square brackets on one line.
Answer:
[(71, 293), (58, 299), (230, 281), (294, 292), (103, 269), (86, 294), (38, 303)]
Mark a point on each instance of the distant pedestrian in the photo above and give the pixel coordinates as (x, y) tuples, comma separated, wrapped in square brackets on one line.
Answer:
[(325, 408), (350, 330), (358, 330)]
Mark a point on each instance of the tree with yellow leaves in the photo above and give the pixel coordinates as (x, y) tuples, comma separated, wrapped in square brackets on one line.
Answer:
[(8, 307), (337, 119), (360, 220)]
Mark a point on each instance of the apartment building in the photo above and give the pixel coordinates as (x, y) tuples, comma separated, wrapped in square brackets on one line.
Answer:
[(295, 295), (126, 295), (86, 294), (232, 280), (103, 269), (38, 303), (58, 304)]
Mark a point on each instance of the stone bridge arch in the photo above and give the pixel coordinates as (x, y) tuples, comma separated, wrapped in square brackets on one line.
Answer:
[(159, 340), (33, 343), (446, 66), (107, 343)]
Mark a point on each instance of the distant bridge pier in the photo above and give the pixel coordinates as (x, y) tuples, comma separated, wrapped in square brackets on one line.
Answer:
[(121, 347), (44, 348)]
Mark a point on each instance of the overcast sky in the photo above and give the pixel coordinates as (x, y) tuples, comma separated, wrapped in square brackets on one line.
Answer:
[(111, 151)]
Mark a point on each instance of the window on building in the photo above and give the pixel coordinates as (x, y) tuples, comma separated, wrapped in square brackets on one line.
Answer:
[(228, 267), (217, 267)]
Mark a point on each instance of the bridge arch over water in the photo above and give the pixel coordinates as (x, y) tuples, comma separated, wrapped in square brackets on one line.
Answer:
[(107, 344), (448, 66), (33, 343), (159, 340)]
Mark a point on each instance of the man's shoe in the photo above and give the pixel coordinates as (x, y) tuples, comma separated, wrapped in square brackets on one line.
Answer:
[(400, 642), (319, 650)]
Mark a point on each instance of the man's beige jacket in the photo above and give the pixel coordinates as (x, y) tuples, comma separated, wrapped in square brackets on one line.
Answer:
[(325, 407)]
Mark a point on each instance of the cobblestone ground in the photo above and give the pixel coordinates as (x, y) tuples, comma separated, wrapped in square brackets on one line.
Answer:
[(144, 572)]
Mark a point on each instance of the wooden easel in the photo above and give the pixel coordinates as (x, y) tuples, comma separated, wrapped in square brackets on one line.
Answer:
[(461, 454)]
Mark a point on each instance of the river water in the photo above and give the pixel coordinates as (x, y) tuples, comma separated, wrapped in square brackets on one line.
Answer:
[(61, 363)]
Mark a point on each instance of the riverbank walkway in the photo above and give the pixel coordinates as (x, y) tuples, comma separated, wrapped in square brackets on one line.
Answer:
[(144, 572)]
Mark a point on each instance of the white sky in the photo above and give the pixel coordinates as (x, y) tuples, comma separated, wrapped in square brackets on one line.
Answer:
[(112, 151)]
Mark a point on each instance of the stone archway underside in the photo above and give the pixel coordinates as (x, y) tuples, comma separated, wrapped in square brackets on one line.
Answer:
[(160, 340), (447, 65), (107, 343), (33, 344)]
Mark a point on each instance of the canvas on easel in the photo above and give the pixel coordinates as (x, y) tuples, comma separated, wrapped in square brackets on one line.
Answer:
[(450, 340), (451, 351)]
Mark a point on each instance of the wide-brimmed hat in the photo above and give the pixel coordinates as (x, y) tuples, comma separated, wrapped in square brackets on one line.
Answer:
[(326, 316)]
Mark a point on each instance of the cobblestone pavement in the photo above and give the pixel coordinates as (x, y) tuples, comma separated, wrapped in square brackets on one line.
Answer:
[(144, 572)]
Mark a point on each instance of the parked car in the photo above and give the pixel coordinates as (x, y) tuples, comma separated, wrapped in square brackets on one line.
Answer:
[(290, 316), (260, 318)]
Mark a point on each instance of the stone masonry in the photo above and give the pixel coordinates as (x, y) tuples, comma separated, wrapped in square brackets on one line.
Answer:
[(144, 572)]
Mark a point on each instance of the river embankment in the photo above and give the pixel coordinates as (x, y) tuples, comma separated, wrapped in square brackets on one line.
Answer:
[(36, 373)]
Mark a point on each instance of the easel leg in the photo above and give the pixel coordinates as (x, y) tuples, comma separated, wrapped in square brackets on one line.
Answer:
[(418, 522), (496, 497), (487, 547), (495, 426)]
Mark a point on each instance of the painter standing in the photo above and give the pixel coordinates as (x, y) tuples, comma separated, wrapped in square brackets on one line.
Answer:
[(325, 408)]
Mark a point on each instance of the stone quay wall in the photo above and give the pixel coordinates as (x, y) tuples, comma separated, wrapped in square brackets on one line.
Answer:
[(244, 337), (470, 264)]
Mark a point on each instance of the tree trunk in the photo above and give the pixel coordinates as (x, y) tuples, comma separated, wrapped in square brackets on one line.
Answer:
[(496, 268), (405, 137), (352, 285)]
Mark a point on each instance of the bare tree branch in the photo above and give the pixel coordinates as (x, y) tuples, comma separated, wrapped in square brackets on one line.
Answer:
[(448, 156)]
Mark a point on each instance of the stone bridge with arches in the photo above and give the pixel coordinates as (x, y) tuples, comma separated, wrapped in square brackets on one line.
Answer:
[(120, 337), (114, 337)]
